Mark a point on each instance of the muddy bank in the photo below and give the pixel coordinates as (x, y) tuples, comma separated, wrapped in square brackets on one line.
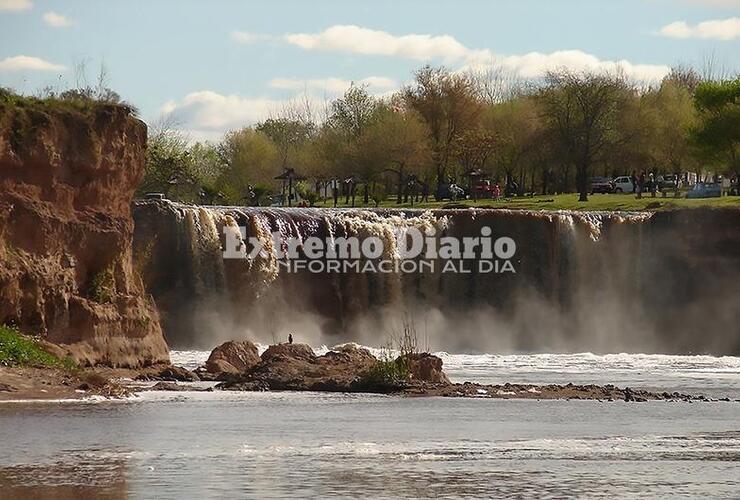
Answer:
[(27, 383)]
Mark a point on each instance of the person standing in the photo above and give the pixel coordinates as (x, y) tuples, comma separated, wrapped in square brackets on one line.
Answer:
[(335, 191), (640, 185), (633, 178)]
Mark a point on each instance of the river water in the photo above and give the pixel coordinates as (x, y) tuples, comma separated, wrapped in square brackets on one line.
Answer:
[(289, 445)]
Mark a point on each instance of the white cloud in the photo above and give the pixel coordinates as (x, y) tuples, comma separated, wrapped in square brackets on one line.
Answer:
[(358, 40), (56, 20), (206, 114), (536, 64), (333, 85), (15, 5), (720, 29), (21, 63)]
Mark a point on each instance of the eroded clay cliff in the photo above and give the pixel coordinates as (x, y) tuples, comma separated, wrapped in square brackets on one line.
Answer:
[(67, 178)]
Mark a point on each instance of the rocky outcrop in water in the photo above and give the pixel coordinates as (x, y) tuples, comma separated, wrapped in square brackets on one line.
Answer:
[(295, 367), (67, 178)]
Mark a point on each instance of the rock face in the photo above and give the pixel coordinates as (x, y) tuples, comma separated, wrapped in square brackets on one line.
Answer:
[(425, 367), (67, 178), (233, 357)]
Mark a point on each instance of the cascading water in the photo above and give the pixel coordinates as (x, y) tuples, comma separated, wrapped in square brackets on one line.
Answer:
[(601, 282)]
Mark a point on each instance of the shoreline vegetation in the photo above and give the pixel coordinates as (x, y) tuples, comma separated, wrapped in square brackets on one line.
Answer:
[(28, 371)]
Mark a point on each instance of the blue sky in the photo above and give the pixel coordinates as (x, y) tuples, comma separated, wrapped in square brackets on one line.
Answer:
[(218, 65)]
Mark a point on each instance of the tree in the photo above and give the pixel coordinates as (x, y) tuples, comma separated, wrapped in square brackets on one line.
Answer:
[(397, 140), (666, 122), (168, 163), (518, 130), (353, 112), (251, 159), (448, 104), (718, 132), (581, 111), (288, 136), (207, 166)]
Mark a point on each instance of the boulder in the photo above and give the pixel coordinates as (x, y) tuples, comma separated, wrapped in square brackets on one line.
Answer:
[(288, 351), (233, 357), (296, 367), (425, 367)]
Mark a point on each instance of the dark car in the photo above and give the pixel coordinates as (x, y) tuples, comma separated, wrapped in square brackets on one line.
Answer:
[(667, 182), (601, 185)]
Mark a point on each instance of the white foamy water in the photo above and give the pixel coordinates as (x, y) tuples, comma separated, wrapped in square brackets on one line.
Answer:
[(710, 375)]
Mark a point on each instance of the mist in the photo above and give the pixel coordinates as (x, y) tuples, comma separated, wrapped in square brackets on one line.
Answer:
[(584, 282)]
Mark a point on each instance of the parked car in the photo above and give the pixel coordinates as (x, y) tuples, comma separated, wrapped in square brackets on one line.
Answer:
[(453, 192), (482, 189), (622, 184), (705, 190), (601, 185), (667, 182)]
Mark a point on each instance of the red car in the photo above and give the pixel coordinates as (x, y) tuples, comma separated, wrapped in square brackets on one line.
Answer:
[(482, 189)]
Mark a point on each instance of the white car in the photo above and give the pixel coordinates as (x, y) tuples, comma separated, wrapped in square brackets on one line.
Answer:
[(623, 184)]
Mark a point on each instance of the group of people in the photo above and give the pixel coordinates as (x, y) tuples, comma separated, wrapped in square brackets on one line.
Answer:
[(642, 183)]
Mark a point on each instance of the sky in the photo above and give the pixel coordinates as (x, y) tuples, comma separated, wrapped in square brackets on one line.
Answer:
[(212, 66)]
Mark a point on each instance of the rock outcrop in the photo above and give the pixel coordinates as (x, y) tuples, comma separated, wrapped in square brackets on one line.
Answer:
[(68, 173), (233, 357), (295, 367), (425, 367)]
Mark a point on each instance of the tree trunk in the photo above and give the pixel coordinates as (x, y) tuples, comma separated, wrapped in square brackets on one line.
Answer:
[(582, 182), (440, 181), (400, 186)]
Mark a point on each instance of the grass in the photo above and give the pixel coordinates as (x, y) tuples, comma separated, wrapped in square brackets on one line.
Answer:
[(596, 202), (393, 368), (19, 350), (69, 102)]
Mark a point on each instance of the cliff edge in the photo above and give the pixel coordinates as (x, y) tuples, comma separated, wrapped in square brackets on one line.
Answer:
[(68, 172)]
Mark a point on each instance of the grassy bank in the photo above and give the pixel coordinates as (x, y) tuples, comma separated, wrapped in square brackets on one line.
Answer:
[(607, 202), (17, 349)]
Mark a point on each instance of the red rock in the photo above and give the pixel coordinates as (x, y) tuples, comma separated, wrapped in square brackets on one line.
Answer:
[(67, 179), (289, 351), (426, 367), (233, 357)]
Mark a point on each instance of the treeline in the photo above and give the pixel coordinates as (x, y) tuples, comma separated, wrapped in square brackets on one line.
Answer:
[(543, 137)]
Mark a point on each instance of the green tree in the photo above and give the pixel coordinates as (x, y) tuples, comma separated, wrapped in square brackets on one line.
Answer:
[(449, 105), (581, 110), (288, 135), (717, 134), (251, 159), (168, 164)]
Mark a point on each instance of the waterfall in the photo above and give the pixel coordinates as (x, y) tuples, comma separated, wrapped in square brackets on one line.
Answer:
[(583, 280)]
